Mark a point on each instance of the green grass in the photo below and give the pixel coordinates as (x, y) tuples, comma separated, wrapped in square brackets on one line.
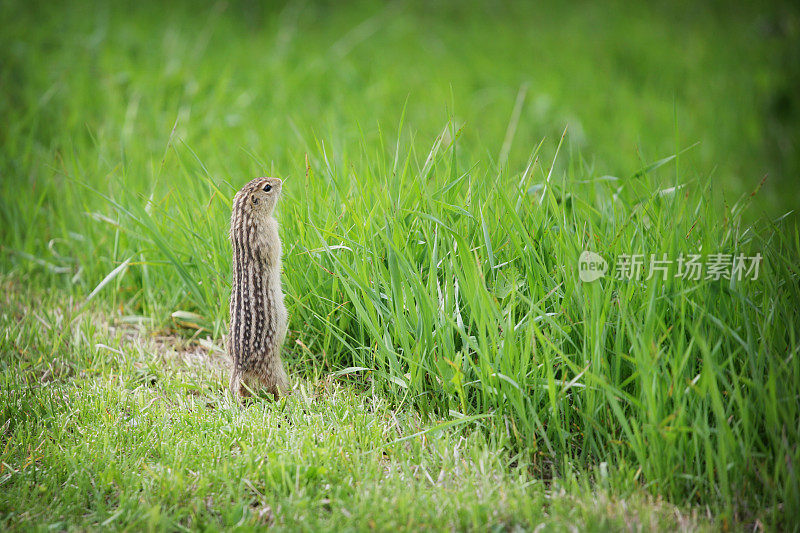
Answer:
[(128, 431), (444, 170)]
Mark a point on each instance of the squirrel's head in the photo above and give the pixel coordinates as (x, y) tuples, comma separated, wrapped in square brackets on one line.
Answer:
[(258, 198)]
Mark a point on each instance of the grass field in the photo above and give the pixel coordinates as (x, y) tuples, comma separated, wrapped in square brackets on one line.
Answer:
[(445, 166)]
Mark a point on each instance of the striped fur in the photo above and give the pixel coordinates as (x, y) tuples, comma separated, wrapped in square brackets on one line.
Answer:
[(258, 315)]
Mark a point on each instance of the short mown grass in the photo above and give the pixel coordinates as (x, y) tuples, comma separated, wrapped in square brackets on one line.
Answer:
[(444, 169)]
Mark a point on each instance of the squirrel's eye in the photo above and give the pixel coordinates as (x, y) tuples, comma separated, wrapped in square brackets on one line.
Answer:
[(267, 187), (255, 200)]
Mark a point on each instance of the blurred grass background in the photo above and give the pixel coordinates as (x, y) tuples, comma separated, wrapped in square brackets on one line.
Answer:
[(631, 82), (430, 231)]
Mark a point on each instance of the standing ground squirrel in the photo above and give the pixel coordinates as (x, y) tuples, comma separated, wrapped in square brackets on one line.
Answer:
[(258, 315)]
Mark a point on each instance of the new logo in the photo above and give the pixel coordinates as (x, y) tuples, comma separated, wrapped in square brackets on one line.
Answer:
[(591, 266)]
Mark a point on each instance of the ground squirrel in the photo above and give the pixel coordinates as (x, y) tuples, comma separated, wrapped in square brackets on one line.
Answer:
[(258, 315)]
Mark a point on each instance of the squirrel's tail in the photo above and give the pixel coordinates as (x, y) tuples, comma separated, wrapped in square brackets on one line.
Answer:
[(236, 383)]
